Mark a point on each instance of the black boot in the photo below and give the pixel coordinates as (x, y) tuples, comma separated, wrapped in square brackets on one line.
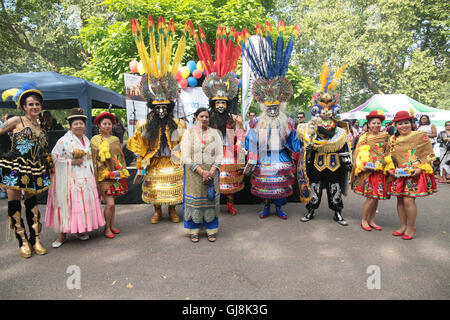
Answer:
[(34, 226), (338, 217), (14, 209), (308, 216)]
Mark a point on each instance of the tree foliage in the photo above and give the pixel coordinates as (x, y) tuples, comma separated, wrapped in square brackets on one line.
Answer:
[(390, 46)]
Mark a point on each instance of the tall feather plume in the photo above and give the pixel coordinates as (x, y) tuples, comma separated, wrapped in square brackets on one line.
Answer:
[(9, 93), (336, 77), (324, 76)]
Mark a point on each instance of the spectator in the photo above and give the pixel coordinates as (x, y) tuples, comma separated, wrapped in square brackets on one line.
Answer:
[(300, 118), (355, 133), (426, 126), (364, 128), (118, 130), (389, 128), (251, 122), (50, 123), (444, 147)]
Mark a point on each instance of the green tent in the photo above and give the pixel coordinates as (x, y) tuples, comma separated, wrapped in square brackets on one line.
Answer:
[(390, 104)]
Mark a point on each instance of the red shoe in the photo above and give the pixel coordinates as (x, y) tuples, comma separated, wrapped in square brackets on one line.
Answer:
[(378, 228), (366, 228), (397, 234), (231, 208), (115, 231), (109, 236), (405, 237)]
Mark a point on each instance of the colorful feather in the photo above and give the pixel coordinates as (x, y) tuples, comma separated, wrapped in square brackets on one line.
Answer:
[(336, 77), (10, 93), (324, 75)]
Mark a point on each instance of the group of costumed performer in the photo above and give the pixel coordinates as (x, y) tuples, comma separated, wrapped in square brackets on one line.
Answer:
[(156, 140), (327, 160), (221, 88), (26, 167), (272, 144)]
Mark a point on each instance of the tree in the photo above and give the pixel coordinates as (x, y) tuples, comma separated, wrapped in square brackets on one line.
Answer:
[(36, 36), (112, 47), (390, 46)]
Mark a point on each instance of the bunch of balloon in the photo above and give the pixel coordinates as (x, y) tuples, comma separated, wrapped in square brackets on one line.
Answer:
[(190, 75)]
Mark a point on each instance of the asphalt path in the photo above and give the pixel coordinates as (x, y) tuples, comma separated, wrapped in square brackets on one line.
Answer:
[(253, 258)]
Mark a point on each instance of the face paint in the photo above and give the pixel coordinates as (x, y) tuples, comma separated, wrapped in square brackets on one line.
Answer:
[(273, 111), (221, 106), (161, 110)]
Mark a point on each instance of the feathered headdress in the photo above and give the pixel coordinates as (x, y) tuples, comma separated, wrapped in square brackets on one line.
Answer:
[(269, 64), (17, 95), (220, 82), (326, 99), (157, 64), (328, 79)]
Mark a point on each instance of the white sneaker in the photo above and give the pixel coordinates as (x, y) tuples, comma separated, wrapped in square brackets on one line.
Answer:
[(82, 236), (57, 244)]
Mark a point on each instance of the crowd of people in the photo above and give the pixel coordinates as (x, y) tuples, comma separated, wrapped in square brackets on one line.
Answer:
[(195, 167)]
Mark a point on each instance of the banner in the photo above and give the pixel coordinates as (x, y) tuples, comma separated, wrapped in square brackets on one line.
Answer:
[(193, 98), (135, 102)]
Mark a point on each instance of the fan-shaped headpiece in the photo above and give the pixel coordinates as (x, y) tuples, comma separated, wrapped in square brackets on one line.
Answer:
[(269, 64), (220, 83), (159, 71)]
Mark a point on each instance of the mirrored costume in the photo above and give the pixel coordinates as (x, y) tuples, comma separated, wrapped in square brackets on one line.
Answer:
[(272, 144), (156, 140), (327, 160)]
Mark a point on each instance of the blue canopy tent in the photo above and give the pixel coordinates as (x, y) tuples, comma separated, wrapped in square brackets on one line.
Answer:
[(64, 92)]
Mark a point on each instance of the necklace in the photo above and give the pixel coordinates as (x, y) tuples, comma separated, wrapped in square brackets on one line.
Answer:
[(36, 124)]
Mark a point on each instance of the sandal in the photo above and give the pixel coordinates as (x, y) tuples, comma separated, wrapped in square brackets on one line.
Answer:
[(194, 237), (212, 237)]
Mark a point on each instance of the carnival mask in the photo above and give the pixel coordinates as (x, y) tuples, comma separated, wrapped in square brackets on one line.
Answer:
[(273, 111), (161, 111), (221, 106)]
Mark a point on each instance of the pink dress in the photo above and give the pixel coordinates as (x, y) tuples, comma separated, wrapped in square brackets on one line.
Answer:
[(73, 205)]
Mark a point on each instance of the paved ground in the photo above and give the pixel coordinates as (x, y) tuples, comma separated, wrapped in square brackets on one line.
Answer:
[(251, 259)]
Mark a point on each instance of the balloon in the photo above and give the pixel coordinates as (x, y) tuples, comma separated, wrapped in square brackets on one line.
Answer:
[(183, 83), (185, 72), (240, 84), (200, 66), (191, 65), (237, 81), (192, 81), (141, 68), (134, 66), (178, 75), (197, 74)]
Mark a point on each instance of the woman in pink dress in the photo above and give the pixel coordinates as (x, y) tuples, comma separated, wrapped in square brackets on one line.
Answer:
[(73, 205)]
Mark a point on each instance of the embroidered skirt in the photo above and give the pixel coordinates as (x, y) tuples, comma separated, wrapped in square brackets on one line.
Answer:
[(163, 182), (273, 180), (421, 186), (374, 186)]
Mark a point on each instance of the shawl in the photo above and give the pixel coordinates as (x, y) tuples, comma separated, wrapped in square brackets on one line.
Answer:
[(369, 153), (410, 152), (67, 148)]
